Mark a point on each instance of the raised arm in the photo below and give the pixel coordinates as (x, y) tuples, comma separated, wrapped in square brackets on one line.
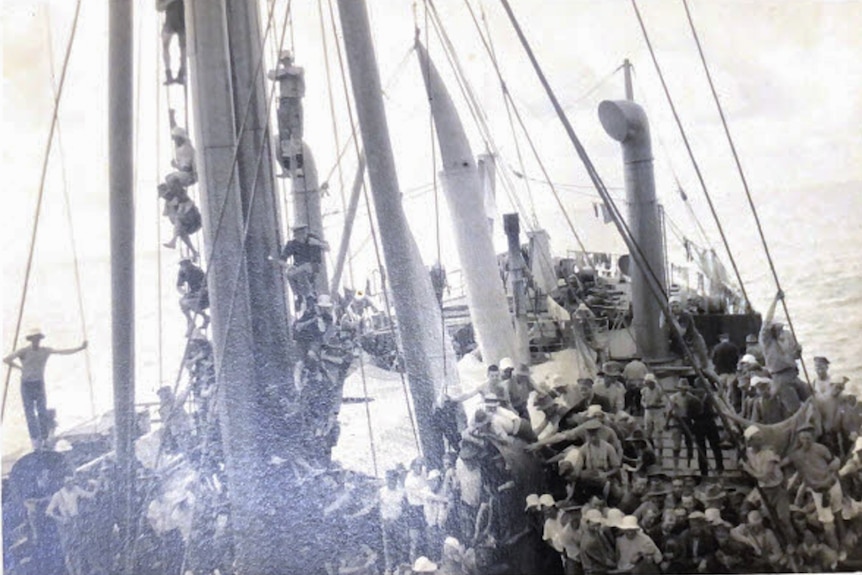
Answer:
[(71, 350), (770, 314)]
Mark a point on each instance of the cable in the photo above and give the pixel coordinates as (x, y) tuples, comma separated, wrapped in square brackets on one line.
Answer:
[(45, 158), (691, 156), (68, 209), (744, 182)]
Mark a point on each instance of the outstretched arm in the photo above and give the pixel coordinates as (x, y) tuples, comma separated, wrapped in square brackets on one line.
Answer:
[(71, 350)]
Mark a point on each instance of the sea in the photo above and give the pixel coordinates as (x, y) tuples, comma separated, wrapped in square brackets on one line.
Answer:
[(814, 240)]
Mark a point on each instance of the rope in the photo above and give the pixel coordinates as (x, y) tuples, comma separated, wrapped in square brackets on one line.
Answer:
[(46, 156), (68, 209), (158, 133), (744, 181), (371, 443), (691, 156), (373, 232)]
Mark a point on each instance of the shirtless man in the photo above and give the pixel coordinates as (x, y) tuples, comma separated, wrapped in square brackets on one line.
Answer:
[(32, 360)]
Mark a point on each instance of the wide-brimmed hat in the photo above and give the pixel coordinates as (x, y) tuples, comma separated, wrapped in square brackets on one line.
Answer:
[(696, 515), (650, 377), (424, 565), (612, 368), (637, 436), (532, 501), (34, 333), (594, 410), (591, 424), (594, 516), (712, 492), (750, 431), (614, 517), (754, 517), (546, 500), (629, 523), (506, 363), (749, 359)]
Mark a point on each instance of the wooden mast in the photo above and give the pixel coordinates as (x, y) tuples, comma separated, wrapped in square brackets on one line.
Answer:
[(122, 222)]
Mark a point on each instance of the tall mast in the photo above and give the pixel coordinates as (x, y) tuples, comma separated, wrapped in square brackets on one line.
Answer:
[(122, 217), (246, 363), (627, 73), (416, 306)]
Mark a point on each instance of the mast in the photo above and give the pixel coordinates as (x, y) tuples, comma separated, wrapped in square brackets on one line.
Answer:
[(306, 208), (416, 307), (512, 228), (349, 216), (486, 298), (263, 505), (122, 221), (627, 73)]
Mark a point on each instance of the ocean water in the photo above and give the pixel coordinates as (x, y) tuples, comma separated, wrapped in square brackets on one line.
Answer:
[(813, 234)]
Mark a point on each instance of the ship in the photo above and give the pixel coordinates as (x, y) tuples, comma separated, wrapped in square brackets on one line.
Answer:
[(265, 467)]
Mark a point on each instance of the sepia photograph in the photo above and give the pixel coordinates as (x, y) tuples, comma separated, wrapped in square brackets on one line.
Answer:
[(453, 287)]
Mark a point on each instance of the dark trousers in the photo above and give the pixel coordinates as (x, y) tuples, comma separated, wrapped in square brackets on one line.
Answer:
[(706, 430), (35, 408)]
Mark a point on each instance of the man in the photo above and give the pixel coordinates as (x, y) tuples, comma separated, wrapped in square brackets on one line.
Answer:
[(63, 508), (817, 468), (822, 380), (32, 360), (760, 541), (678, 418), (392, 506), (697, 543), (493, 387), (435, 504), (587, 397), (764, 465), (596, 548), (725, 355), (469, 481), (598, 468), (306, 251), (636, 551), (634, 374), (191, 283), (291, 84), (780, 352), (581, 433), (767, 406), (519, 389), (611, 386), (186, 173), (753, 348), (175, 24), (654, 401), (415, 484), (691, 337), (182, 213)]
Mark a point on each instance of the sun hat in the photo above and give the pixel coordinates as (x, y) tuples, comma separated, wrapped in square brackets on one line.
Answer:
[(749, 359), (532, 501), (612, 368), (614, 517), (546, 500), (750, 431), (424, 565), (629, 522), (821, 359), (594, 410), (650, 377), (506, 363), (591, 424), (696, 515), (594, 516), (34, 333)]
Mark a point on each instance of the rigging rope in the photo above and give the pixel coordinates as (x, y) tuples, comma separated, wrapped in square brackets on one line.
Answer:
[(68, 209), (691, 156), (41, 193), (742, 177), (158, 146), (519, 118), (373, 232)]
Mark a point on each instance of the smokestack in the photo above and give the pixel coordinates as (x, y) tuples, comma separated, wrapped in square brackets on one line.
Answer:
[(626, 122)]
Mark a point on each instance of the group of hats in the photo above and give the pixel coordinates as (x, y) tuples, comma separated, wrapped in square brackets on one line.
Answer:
[(544, 501)]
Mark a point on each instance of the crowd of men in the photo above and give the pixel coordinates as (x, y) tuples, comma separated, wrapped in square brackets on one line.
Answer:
[(776, 486)]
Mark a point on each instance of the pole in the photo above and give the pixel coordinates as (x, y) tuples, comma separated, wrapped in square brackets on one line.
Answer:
[(349, 217), (627, 74), (305, 190), (512, 228), (122, 225), (416, 306)]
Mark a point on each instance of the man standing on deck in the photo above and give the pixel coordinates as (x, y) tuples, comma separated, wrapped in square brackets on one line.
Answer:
[(32, 365), (780, 352), (822, 378), (725, 355), (654, 403)]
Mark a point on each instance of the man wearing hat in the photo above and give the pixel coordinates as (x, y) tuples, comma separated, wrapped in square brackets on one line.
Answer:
[(654, 402), (678, 418), (597, 550), (191, 283), (306, 251), (760, 541), (752, 348), (580, 433), (611, 386), (764, 465), (634, 374), (291, 84), (780, 352), (598, 468), (636, 551), (31, 362), (587, 396), (822, 379)]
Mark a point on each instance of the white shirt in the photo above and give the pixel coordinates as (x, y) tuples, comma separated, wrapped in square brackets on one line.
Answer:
[(414, 485), (470, 481), (391, 501), (628, 548), (436, 507)]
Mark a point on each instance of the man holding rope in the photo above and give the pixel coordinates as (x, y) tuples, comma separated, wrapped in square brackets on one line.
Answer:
[(32, 360)]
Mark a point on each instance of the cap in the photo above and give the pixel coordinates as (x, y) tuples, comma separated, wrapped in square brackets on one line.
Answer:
[(34, 333), (749, 359), (532, 501), (506, 363), (546, 500), (650, 377), (323, 300), (821, 359), (424, 565), (629, 522), (750, 431), (178, 132)]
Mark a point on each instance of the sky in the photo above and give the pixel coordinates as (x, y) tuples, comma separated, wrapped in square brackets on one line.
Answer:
[(787, 73)]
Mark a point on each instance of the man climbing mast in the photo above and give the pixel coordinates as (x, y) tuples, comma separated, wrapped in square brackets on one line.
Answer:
[(32, 365), (175, 24), (291, 83)]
